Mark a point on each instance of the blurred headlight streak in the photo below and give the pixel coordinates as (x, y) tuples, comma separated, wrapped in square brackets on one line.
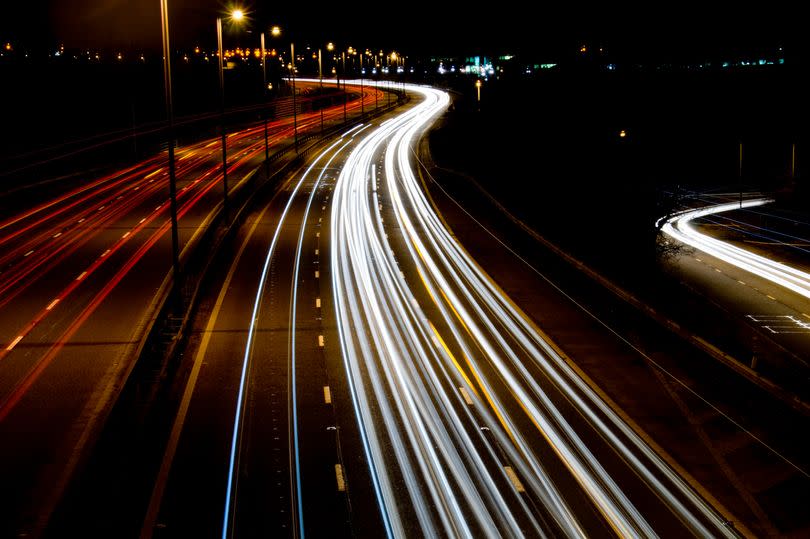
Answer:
[(430, 452)]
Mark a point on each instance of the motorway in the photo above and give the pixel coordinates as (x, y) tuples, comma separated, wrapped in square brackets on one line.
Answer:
[(757, 273), (79, 274), (472, 422), (355, 372), (384, 385)]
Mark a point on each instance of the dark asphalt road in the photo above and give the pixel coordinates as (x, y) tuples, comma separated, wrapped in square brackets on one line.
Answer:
[(78, 278), (681, 397)]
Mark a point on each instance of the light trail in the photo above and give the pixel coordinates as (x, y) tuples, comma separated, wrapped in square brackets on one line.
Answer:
[(230, 493), (680, 227), (456, 467)]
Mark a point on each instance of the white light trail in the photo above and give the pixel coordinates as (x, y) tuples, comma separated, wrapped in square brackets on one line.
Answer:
[(452, 464), (680, 227), (237, 424)]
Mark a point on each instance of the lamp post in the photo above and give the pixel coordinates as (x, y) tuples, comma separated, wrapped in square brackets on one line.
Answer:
[(320, 77), (236, 15), (741, 176), (343, 55), (295, 112), (362, 106), (167, 80), (264, 99)]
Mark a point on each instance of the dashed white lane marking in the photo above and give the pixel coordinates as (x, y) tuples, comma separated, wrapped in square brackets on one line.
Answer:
[(317, 274), (466, 395), (57, 234), (320, 341), (105, 253), (341, 481), (510, 473), (52, 304), (327, 395), (81, 276), (316, 252), (11, 346), (28, 253), (317, 303)]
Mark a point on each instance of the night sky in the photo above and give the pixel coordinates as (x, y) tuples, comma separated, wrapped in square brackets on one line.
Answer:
[(645, 30)]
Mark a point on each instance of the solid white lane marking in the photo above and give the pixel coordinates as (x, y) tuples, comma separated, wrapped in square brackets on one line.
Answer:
[(341, 481), (11, 346), (327, 395)]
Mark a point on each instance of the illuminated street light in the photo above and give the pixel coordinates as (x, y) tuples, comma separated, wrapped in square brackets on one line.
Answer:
[(478, 88), (236, 16), (330, 46), (167, 85), (275, 31)]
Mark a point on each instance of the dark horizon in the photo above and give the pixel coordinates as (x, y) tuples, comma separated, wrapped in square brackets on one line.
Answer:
[(653, 33)]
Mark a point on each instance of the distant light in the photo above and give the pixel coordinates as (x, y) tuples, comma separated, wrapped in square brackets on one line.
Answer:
[(478, 84), (583, 49), (237, 15), (622, 133), (330, 46), (196, 50), (8, 46), (275, 31)]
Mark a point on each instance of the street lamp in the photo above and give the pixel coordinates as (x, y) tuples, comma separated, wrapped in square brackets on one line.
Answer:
[(167, 79), (236, 16), (362, 107), (275, 31), (264, 95), (295, 112), (345, 97)]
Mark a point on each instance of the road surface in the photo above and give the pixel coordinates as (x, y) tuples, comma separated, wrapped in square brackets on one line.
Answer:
[(79, 274)]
